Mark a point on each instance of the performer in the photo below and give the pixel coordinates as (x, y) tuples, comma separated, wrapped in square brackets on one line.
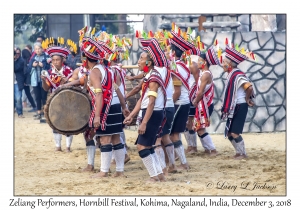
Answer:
[(181, 76), (203, 100), (152, 104), (58, 75), (238, 95)]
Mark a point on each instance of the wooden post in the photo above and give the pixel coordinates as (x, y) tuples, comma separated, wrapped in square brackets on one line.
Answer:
[(201, 19)]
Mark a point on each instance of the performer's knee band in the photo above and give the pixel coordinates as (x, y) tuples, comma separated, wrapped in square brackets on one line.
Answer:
[(202, 136), (177, 144), (106, 148), (230, 138), (238, 139), (191, 131), (169, 145), (90, 143), (152, 150), (144, 153), (118, 146)]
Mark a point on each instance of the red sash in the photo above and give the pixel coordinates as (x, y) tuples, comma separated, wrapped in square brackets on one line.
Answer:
[(183, 80)]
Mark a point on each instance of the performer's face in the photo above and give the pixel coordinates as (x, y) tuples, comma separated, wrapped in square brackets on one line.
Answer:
[(226, 64), (142, 61), (201, 63), (57, 61)]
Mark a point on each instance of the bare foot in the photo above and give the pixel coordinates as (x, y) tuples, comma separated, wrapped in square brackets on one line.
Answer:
[(127, 158), (188, 149), (183, 167), (153, 179), (58, 149), (162, 178), (68, 149), (192, 151), (239, 156), (88, 168), (100, 175), (165, 171), (118, 174), (113, 162), (213, 153), (172, 169)]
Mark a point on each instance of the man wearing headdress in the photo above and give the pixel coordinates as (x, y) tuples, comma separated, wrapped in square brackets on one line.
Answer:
[(58, 75), (238, 95), (152, 103)]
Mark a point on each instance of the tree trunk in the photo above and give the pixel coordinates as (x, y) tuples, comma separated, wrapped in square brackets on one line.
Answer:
[(122, 26)]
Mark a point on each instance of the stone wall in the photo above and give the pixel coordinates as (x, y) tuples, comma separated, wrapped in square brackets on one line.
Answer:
[(268, 75)]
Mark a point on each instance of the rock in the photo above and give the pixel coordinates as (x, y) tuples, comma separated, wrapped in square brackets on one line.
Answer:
[(272, 110), (216, 71), (221, 127), (280, 68), (244, 19), (281, 126), (264, 85), (270, 45), (264, 53), (263, 22), (237, 38), (263, 37), (254, 128), (253, 45), (219, 86), (214, 119), (259, 60), (280, 37), (256, 76), (250, 114), (266, 70), (281, 113), (280, 87), (272, 76), (269, 125), (247, 36), (245, 65), (207, 38), (246, 128), (276, 57), (243, 28), (273, 98), (259, 101), (280, 47), (134, 58), (255, 68), (261, 116), (218, 105)]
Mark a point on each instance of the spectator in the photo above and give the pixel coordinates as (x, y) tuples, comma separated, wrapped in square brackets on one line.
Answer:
[(18, 81), (26, 54), (36, 65)]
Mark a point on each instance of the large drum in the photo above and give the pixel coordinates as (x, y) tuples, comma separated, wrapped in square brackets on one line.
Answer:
[(131, 101), (68, 110)]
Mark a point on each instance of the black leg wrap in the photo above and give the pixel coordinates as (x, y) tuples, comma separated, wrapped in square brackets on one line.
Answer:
[(118, 146), (202, 136), (192, 131), (238, 139), (144, 153), (106, 148), (90, 143), (169, 145), (177, 144)]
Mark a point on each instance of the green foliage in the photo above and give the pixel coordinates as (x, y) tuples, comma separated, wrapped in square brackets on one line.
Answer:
[(37, 21)]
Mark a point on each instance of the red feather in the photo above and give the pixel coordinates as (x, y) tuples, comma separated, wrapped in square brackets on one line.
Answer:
[(226, 41), (179, 31), (137, 34), (151, 34), (216, 42)]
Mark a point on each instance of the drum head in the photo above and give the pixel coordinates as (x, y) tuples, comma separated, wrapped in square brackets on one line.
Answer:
[(68, 110)]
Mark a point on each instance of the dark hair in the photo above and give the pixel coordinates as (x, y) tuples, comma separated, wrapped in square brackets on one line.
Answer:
[(29, 47), (91, 60), (40, 36), (178, 52), (105, 62), (149, 58), (203, 55)]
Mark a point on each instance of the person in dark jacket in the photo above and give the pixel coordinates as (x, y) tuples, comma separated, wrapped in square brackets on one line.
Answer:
[(18, 81), (36, 64), (26, 54)]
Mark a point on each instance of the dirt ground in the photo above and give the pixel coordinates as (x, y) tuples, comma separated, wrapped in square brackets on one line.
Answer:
[(38, 170)]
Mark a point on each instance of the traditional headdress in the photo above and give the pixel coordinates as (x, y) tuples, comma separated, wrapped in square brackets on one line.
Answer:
[(182, 40), (152, 46), (91, 46), (119, 46), (58, 46), (237, 55)]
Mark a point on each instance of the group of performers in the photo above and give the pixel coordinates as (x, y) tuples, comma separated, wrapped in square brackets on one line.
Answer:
[(177, 92)]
